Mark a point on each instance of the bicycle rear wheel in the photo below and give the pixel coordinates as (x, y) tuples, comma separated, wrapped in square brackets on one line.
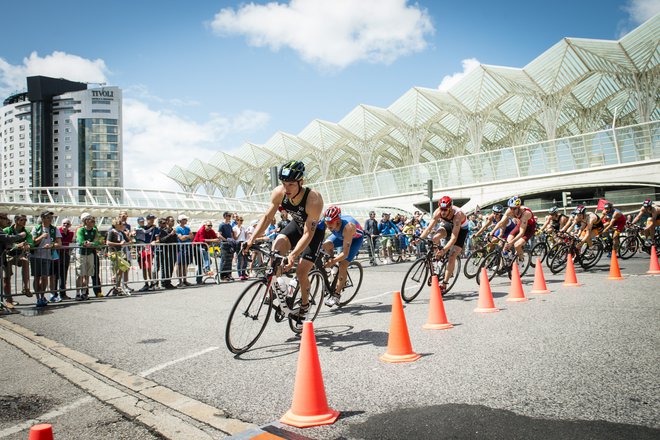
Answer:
[(473, 263), (591, 255), (454, 276), (559, 259), (628, 247), (248, 318), (316, 292), (415, 280), (492, 264), (525, 262), (540, 250), (353, 282)]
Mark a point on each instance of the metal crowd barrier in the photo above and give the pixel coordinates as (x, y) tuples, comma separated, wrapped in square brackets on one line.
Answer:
[(134, 265)]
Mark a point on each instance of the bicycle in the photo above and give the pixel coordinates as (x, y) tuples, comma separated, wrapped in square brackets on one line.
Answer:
[(252, 309), (634, 242), (473, 262), (353, 283), (587, 258), (421, 271), (499, 262)]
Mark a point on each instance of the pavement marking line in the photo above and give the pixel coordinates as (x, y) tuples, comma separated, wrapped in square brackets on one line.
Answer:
[(44, 418), (373, 297), (146, 373), (130, 394)]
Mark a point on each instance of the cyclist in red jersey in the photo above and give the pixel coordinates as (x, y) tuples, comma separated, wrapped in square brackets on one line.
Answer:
[(525, 228), (613, 219)]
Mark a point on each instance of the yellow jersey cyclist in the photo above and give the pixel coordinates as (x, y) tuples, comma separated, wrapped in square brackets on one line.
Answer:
[(347, 234), (652, 214), (448, 213), (613, 219), (303, 236)]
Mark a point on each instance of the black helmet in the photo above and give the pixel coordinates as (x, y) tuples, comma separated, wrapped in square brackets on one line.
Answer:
[(607, 206), (497, 209), (292, 171), (553, 210), (581, 209), (647, 203)]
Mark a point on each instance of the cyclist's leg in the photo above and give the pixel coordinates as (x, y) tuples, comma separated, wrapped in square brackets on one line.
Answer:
[(305, 264), (343, 265)]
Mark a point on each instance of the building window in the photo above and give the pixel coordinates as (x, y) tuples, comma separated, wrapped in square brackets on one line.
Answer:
[(56, 131)]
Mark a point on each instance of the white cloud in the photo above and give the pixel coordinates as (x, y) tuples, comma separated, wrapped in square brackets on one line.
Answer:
[(331, 33), (638, 12), (449, 80), (155, 141), (57, 65)]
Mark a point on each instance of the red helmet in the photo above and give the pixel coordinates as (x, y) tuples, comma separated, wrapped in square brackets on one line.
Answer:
[(332, 213), (445, 202)]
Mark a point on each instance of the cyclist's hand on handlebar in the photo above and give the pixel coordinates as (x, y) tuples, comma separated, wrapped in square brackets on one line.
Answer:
[(289, 262)]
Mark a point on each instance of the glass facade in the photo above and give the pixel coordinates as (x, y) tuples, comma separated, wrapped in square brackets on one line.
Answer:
[(99, 159)]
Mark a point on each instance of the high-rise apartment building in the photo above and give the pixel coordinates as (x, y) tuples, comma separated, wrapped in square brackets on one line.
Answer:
[(61, 134)]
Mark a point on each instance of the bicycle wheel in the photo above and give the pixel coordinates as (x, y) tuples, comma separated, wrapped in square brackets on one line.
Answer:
[(415, 280), (492, 263), (248, 318), (551, 253), (540, 250), (628, 247), (353, 282), (473, 263), (591, 255), (454, 276), (525, 262), (316, 292), (559, 259)]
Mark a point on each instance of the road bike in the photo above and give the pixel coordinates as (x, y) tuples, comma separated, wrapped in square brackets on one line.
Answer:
[(476, 258), (422, 270), (587, 257), (635, 242), (327, 278), (252, 309), (500, 262)]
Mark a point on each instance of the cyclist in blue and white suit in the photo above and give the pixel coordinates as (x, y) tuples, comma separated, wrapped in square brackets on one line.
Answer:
[(348, 235)]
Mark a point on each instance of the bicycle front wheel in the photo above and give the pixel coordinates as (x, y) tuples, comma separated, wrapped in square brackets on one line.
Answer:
[(248, 318), (524, 262), (353, 282), (628, 247), (492, 264), (540, 250), (316, 291), (415, 280), (473, 263), (454, 276), (591, 255), (559, 259)]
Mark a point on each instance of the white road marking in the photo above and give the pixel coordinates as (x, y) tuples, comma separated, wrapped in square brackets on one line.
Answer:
[(373, 297), (44, 418), (146, 373)]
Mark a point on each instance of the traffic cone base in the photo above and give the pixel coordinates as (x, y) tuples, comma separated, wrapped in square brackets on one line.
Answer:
[(310, 406), (654, 268), (539, 279), (437, 316), (570, 280), (485, 303), (615, 272), (43, 431), (399, 348), (516, 292)]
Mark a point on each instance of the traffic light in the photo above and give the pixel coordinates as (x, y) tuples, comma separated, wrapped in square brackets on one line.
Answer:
[(566, 198), (429, 189)]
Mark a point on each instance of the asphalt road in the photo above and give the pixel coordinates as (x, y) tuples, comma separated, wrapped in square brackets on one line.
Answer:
[(577, 363)]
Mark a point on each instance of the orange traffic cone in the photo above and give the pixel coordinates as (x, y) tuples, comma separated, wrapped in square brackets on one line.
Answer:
[(485, 303), (570, 280), (399, 348), (437, 317), (539, 279), (516, 292), (654, 269), (41, 432), (310, 406), (615, 272)]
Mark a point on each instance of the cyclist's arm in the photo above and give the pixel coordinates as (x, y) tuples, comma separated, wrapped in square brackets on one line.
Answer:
[(431, 225), (638, 216), (349, 231), (548, 222), (502, 222), (484, 226), (314, 208), (275, 199), (523, 226), (569, 223)]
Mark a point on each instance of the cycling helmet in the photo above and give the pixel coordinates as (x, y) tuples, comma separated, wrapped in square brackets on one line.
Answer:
[(292, 171), (332, 213), (554, 210), (497, 209), (647, 203), (445, 202), (514, 202), (607, 206), (580, 210)]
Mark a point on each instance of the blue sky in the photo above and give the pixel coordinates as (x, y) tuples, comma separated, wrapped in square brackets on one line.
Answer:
[(204, 76)]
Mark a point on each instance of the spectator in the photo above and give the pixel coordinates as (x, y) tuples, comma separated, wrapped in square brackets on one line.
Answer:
[(371, 229), (473, 227), (185, 237), (117, 239), (388, 231), (271, 231), (227, 236), (47, 239), (168, 250), (62, 265), (7, 241), (18, 255), (88, 239), (240, 238), (284, 215), (234, 218), (207, 235), (147, 237)]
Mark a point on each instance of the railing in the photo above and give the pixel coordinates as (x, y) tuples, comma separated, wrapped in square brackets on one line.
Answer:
[(622, 145)]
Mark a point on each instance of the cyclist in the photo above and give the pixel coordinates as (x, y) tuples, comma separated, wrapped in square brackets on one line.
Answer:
[(495, 217), (524, 229), (459, 230), (613, 219), (347, 234), (653, 218), (589, 223), (303, 236), (555, 220)]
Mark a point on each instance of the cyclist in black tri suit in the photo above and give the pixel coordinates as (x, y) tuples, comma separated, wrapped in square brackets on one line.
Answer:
[(555, 221), (303, 236)]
